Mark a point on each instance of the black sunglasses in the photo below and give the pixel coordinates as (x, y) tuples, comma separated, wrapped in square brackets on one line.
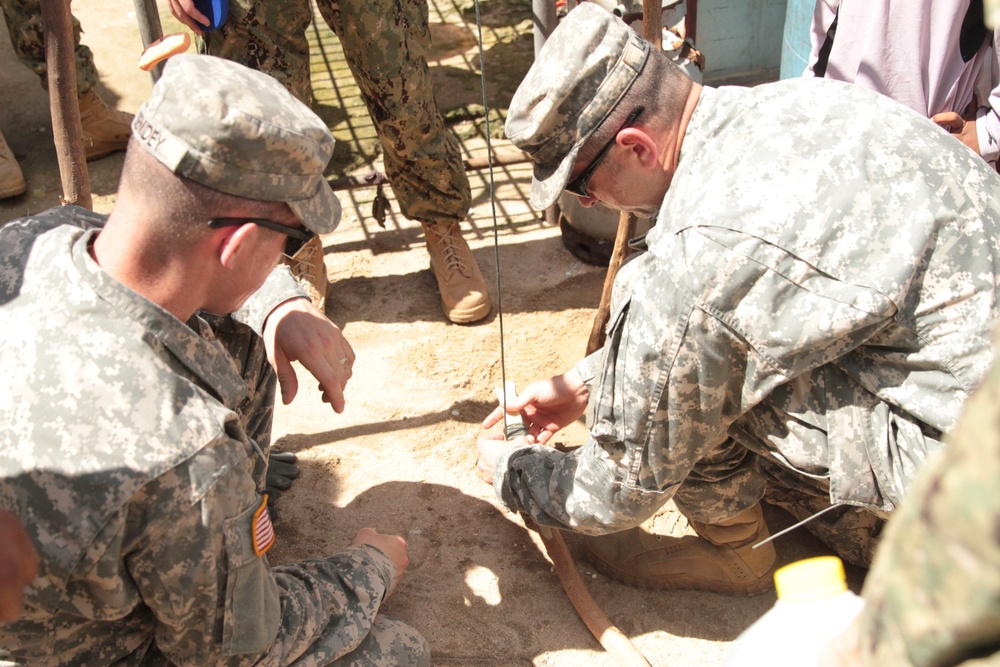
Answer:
[(296, 237), (578, 185)]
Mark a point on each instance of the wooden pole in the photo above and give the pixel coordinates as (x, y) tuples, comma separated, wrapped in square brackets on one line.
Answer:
[(652, 32), (626, 230), (67, 132)]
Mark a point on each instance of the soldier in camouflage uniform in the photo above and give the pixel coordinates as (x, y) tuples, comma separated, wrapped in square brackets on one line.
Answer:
[(135, 441), (105, 130), (931, 596), (384, 44), (813, 307)]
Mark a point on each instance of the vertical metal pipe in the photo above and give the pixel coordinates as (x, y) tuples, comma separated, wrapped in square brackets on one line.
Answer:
[(149, 29), (67, 132), (545, 21)]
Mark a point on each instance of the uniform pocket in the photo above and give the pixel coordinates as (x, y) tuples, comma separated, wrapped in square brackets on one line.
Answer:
[(253, 607)]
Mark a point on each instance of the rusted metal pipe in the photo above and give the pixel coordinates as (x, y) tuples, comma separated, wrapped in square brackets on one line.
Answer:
[(627, 224), (607, 633), (652, 22), (691, 19), (67, 132), (149, 29)]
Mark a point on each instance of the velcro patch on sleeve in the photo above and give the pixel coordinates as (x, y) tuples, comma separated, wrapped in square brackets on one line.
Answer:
[(263, 531)]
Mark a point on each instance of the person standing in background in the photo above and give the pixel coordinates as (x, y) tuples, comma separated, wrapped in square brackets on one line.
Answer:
[(937, 58)]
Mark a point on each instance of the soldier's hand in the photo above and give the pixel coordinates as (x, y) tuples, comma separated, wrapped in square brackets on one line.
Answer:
[(185, 12), (961, 128), (296, 331), (393, 546), (18, 566), (492, 447), (547, 406)]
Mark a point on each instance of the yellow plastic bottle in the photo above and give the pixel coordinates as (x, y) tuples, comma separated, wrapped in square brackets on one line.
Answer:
[(814, 606)]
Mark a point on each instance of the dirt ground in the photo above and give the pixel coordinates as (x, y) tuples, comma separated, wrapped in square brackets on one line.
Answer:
[(402, 456)]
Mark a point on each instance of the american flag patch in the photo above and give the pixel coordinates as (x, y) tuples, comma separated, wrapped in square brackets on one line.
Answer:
[(263, 531)]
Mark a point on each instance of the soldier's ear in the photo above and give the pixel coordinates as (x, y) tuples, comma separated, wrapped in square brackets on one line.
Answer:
[(233, 244), (640, 145)]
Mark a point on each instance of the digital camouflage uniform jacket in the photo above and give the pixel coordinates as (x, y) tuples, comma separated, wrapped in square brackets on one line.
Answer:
[(124, 456), (933, 593), (820, 288)]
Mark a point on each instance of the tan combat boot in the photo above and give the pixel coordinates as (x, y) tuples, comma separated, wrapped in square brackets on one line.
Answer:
[(11, 179), (463, 290), (719, 559), (309, 268), (105, 130)]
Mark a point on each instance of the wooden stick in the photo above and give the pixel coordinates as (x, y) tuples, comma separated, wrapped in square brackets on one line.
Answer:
[(652, 32), (67, 132), (626, 229)]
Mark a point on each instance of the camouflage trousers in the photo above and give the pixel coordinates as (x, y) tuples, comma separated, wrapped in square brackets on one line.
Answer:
[(24, 22), (745, 470), (384, 42), (734, 478)]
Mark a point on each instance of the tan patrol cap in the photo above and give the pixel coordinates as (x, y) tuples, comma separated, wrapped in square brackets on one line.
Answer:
[(239, 131), (585, 67)]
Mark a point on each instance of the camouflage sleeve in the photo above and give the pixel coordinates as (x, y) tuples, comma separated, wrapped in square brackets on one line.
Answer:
[(217, 601), (279, 287), (589, 366), (678, 370), (932, 596)]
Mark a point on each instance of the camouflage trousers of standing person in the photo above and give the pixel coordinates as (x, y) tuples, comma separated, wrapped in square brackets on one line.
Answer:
[(24, 23), (384, 43)]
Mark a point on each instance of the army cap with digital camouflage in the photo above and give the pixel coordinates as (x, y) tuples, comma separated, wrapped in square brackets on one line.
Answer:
[(585, 67), (236, 130)]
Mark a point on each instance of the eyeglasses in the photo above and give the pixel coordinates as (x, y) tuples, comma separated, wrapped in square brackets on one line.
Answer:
[(578, 185), (296, 237)]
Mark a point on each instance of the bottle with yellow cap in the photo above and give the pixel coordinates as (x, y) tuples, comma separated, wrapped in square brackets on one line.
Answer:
[(814, 606)]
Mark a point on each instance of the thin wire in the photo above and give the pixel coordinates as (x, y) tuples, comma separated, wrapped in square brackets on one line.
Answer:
[(794, 526), (493, 205)]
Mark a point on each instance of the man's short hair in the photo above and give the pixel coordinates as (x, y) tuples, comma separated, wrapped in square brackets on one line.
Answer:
[(239, 131)]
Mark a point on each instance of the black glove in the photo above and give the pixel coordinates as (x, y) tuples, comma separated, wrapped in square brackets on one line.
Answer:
[(280, 473)]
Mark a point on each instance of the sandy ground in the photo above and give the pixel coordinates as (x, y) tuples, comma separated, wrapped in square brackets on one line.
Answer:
[(402, 456)]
